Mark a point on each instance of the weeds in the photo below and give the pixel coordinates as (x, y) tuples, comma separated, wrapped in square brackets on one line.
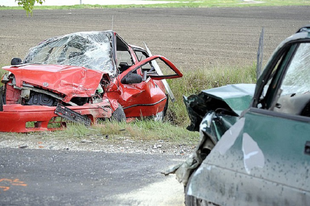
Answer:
[(2, 72), (139, 130)]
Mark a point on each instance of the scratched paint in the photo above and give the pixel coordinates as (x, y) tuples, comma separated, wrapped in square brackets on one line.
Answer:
[(252, 154), (6, 184), (229, 137)]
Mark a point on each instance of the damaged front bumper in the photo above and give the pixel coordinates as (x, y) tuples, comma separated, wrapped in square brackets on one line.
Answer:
[(30, 118)]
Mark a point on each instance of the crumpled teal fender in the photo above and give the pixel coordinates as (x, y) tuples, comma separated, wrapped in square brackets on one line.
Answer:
[(185, 169), (211, 128)]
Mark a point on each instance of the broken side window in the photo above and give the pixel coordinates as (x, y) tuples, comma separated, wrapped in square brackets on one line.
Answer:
[(141, 55), (124, 59)]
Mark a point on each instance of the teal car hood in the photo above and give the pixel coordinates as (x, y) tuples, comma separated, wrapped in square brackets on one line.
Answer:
[(236, 96)]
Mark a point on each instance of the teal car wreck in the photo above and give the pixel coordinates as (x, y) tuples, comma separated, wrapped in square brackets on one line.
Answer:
[(254, 144)]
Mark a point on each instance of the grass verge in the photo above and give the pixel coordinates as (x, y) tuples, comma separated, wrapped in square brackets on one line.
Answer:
[(172, 130), (139, 130)]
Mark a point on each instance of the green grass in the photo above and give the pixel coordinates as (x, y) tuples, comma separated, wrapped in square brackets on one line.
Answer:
[(138, 130), (2, 72), (173, 129), (181, 3)]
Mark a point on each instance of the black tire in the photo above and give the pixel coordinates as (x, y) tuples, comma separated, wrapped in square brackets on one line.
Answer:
[(164, 112), (189, 200), (119, 114), (166, 106), (1, 98), (192, 200)]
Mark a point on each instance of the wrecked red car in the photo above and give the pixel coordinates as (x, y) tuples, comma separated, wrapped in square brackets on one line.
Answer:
[(83, 77)]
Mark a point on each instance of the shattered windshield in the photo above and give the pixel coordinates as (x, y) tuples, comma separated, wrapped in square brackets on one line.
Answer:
[(92, 50), (297, 77)]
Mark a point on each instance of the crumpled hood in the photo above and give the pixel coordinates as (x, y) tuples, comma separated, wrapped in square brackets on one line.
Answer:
[(237, 96), (68, 80)]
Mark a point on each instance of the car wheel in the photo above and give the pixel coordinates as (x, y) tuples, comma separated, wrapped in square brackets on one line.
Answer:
[(1, 98), (193, 201), (190, 200), (119, 114), (161, 115), (166, 106)]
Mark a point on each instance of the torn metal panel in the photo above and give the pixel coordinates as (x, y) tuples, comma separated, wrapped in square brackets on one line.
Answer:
[(71, 115), (236, 96), (230, 100), (206, 144)]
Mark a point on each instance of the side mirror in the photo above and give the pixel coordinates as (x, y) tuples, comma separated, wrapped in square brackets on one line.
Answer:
[(132, 78), (16, 61)]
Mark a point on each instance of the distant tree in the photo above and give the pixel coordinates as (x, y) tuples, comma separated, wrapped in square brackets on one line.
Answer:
[(28, 4)]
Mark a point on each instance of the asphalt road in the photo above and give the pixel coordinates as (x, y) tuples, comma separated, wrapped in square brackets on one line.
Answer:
[(49, 177)]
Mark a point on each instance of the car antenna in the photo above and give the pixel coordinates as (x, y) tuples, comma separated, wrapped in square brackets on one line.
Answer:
[(260, 54)]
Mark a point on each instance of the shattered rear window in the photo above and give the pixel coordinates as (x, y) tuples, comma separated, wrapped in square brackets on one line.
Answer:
[(92, 50)]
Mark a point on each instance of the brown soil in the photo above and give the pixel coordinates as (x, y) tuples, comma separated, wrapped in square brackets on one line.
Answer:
[(190, 37)]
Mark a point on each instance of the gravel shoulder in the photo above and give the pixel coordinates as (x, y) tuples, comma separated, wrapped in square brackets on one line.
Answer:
[(50, 141)]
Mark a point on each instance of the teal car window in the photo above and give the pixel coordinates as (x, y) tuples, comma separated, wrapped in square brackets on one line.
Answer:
[(270, 88)]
